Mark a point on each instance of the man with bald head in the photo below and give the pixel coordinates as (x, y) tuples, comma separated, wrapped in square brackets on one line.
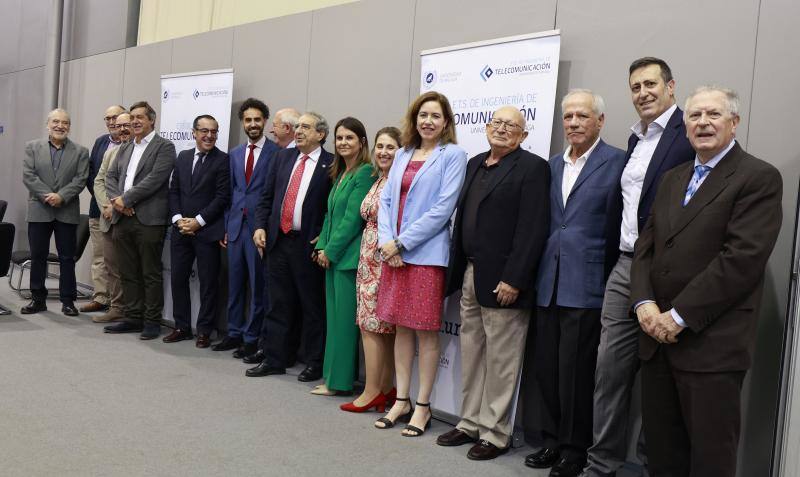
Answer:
[(283, 124), (581, 250), (506, 191)]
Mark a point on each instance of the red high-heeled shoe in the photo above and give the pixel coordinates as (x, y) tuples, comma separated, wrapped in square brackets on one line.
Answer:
[(379, 403), (390, 397)]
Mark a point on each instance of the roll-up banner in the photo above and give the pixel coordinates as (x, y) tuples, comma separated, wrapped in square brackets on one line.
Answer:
[(185, 96), (478, 78)]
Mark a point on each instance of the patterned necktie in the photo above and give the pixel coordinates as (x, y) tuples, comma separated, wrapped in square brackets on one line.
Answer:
[(700, 171), (201, 157), (289, 201), (248, 168)]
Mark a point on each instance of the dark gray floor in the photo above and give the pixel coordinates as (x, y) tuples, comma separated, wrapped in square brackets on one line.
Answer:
[(77, 402)]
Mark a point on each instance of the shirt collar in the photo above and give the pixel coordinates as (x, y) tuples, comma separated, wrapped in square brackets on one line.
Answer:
[(661, 121), (112, 141), (56, 147), (585, 155), (291, 144), (146, 140), (313, 155), (260, 143), (715, 160)]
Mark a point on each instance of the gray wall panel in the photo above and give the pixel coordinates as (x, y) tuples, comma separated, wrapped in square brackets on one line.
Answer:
[(94, 26), (359, 67), (34, 27), (206, 51), (7, 181), (270, 62), (9, 34), (144, 66)]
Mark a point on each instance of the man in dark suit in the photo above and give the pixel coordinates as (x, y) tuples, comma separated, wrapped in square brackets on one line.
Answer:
[(249, 164), (54, 171), (696, 281), (499, 232), (100, 297), (137, 184), (657, 144), (288, 222), (570, 285), (199, 193)]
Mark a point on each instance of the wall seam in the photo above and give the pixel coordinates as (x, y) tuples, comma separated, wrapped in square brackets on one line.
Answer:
[(310, 50), (753, 76), (555, 17), (413, 52)]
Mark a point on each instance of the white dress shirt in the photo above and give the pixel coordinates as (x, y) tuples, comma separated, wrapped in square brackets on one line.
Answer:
[(633, 176), (199, 217), (256, 152), (311, 164), (136, 156), (572, 171)]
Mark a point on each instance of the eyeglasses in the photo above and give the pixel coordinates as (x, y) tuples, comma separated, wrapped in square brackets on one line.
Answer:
[(108, 119), (121, 126), (208, 132), (498, 124)]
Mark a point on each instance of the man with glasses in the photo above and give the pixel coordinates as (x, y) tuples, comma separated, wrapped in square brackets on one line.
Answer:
[(54, 171), (500, 228), (283, 124), (199, 193), (100, 297), (123, 126)]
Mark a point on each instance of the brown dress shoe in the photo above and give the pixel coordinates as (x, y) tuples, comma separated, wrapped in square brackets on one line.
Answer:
[(455, 437), (177, 335), (93, 306), (114, 314), (203, 341), (485, 450)]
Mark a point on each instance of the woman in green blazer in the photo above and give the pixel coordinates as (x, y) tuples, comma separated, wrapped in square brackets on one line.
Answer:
[(337, 251)]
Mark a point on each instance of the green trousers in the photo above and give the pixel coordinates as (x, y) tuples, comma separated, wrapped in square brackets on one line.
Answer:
[(339, 367)]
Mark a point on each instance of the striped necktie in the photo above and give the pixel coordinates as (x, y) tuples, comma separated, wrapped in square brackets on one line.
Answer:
[(700, 172)]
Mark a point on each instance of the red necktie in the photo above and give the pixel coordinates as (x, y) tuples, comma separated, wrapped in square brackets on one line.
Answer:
[(291, 196), (248, 168)]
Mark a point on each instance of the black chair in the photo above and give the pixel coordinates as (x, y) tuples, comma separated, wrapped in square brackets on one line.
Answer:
[(6, 244), (3, 206), (21, 259)]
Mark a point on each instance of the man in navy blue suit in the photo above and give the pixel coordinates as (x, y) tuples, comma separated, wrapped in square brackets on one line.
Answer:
[(287, 225), (199, 193), (657, 144), (249, 164), (100, 297), (570, 285)]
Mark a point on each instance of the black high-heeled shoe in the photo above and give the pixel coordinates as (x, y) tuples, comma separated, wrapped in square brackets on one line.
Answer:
[(416, 429), (388, 423)]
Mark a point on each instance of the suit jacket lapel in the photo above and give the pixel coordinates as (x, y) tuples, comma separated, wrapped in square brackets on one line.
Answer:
[(148, 151), (505, 166), (47, 169), (667, 138), (68, 155), (437, 153), (472, 168), (320, 171), (594, 162)]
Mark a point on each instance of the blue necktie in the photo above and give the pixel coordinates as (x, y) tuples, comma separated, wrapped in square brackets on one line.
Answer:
[(700, 171)]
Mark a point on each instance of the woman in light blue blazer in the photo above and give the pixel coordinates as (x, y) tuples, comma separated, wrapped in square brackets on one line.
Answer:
[(414, 236)]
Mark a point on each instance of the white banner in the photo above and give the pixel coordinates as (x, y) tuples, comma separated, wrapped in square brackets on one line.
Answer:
[(478, 78), (184, 97)]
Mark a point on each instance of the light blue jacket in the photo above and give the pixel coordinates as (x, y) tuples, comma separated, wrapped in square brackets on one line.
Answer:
[(431, 200)]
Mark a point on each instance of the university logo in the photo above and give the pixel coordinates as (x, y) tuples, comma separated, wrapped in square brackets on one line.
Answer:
[(196, 94), (165, 96), (486, 73), (429, 79)]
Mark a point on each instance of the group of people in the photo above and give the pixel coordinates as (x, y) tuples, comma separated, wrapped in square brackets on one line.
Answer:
[(652, 257)]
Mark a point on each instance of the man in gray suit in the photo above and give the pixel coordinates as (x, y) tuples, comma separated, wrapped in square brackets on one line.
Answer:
[(136, 185), (54, 171)]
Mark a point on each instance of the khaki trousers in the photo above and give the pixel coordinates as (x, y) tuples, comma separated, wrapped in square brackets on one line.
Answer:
[(492, 348), (114, 283), (99, 271)]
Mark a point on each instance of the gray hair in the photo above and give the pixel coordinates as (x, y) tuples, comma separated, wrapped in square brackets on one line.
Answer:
[(598, 103), (322, 124), (58, 111), (288, 116), (731, 98)]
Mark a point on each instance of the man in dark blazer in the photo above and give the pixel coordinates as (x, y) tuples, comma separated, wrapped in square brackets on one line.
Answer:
[(657, 144), (500, 228), (696, 282), (570, 285), (54, 171), (137, 184), (249, 164), (100, 297), (288, 222), (199, 193)]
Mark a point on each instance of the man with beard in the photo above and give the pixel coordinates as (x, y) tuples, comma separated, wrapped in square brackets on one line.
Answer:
[(249, 164)]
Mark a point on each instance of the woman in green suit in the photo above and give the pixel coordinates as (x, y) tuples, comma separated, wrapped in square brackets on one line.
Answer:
[(337, 251)]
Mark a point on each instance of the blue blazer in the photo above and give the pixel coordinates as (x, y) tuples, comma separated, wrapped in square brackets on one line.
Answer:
[(244, 195), (573, 264), (431, 200), (95, 159)]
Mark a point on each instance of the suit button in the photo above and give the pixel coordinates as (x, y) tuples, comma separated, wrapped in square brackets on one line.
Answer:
[(669, 243), (563, 226)]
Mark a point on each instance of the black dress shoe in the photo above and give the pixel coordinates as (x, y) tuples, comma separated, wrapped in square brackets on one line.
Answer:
[(568, 468), (264, 370), (255, 358), (151, 331), (123, 327), (245, 350), (228, 343), (311, 373), (454, 437), (543, 458), (69, 309), (33, 307), (485, 450)]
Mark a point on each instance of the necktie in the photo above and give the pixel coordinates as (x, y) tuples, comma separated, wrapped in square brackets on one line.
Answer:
[(700, 171), (290, 199), (248, 168), (55, 158), (201, 157)]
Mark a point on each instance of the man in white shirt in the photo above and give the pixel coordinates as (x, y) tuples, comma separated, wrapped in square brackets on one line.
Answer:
[(657, 144), (283, 124)]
